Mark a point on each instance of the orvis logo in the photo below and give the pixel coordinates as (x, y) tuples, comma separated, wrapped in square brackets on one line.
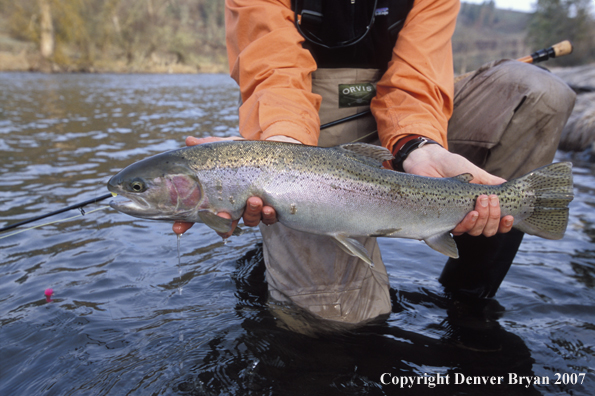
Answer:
[(353, 95)]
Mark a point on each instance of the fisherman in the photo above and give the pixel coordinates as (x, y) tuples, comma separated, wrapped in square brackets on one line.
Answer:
[(395, 58)]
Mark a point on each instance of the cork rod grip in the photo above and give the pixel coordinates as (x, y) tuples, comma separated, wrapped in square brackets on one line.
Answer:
[(562, 48)]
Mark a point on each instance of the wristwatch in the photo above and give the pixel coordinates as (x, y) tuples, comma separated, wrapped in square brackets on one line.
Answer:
[(413, 143)]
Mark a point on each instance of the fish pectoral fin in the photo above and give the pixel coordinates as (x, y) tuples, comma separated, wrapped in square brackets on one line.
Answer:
[(443, 243), (215, 222), (237, 231), (353, 248)]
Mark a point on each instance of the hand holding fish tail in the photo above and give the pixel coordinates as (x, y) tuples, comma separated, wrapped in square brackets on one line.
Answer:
[(435, 161), (485, 219)]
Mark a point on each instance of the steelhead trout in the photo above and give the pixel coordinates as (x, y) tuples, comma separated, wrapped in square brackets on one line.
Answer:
[(341, 191)]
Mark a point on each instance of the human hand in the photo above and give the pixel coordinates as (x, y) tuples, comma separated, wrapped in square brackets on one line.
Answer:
[(435, 161), (255, 210)]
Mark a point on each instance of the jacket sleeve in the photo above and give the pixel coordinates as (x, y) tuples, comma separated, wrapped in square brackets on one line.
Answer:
[(273, 71), (415, 95)]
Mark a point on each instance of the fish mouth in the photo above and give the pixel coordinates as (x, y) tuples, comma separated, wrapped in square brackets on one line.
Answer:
[(137, 209)]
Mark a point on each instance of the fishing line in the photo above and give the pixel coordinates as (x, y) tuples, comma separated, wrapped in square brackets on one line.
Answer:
[(364, 137), (56, 221)]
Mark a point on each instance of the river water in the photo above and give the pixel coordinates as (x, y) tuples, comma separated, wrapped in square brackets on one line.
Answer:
[(127, 319)]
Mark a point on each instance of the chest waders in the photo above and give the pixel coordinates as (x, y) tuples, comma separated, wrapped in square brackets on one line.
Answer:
[(352, 43), (309, 271), (374, 28)]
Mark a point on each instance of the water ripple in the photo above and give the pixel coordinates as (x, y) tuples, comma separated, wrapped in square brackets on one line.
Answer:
[(117, 323)]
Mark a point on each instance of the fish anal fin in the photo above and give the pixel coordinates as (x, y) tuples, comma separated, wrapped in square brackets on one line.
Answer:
[(353, 248), (443, 243)]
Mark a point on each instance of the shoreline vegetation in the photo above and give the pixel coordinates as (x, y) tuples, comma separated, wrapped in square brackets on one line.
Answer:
[(156, 63), (188, 36), (113, 36)]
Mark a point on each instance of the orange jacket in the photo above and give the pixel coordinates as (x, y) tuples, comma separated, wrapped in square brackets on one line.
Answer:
[(266, 58)]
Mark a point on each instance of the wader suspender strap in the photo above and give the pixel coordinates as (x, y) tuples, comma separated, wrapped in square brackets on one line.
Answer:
[(334, 23)]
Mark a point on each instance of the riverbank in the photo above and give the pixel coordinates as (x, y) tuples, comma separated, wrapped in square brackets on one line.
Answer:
[(24, 56), (27, 60)]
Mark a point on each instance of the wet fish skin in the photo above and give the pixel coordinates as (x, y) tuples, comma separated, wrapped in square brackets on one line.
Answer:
[(341, 191)]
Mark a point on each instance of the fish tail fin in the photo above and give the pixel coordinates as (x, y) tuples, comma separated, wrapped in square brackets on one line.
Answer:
[(551, 187)]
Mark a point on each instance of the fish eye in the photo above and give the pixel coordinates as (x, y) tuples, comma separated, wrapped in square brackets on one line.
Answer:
[(138, 185)]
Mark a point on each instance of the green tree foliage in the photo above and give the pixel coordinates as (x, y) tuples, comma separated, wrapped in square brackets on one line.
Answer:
[(557, 20), (134, 32)]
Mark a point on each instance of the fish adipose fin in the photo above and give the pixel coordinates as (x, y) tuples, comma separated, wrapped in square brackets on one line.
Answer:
[(368, 154), (215, 222), (443, 243), (353, 248), (464, 177), (552, 189)]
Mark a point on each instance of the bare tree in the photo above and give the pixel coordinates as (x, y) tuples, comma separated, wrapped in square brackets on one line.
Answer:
[(46, 38)]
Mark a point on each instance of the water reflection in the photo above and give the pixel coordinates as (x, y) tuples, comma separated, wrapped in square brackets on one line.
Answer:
[(243, 359)]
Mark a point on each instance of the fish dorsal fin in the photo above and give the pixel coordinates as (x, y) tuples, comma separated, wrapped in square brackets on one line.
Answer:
[(366, 153), (464, 177)]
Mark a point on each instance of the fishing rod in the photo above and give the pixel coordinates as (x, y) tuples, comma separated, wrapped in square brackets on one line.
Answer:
[(345, 119), (75, 206), (556, 50)]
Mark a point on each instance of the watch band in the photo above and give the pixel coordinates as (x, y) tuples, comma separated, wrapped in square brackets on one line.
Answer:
[(408, 148)]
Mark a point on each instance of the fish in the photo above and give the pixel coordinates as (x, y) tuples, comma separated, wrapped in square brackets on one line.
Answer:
[(343, 192)]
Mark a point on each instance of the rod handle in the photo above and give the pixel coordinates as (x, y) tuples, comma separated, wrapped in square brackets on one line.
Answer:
[(555, 51), (562, 48)]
